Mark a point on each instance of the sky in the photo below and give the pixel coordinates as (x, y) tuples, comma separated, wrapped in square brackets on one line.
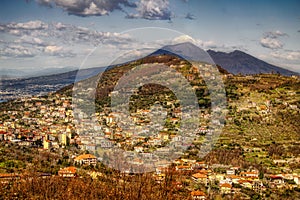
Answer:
[(39, 36)]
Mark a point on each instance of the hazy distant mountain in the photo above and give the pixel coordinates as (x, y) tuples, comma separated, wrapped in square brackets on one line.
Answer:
[(52, 71), (240, 62), (185, 50), (10, 73), (59, 78), (15, 73)]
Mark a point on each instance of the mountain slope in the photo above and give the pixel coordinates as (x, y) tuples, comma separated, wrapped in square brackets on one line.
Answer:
[(240, 62)]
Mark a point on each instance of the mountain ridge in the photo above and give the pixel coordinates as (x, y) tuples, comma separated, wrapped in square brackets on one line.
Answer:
[(235, 62)]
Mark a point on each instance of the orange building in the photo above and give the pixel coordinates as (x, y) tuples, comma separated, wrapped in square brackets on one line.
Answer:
[(67, 172)]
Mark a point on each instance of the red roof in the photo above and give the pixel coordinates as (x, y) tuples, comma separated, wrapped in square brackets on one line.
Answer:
[(226, 185), (198, 193), (244, 181), (85, 156), (67, 170), (276, 177), (199, 175)]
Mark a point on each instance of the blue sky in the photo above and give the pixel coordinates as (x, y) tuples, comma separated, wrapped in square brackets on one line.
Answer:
[(40, 35)]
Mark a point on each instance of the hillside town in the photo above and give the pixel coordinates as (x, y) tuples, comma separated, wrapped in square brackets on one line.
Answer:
[(47, 124)]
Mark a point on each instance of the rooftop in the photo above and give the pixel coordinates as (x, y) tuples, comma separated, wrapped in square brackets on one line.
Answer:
[(85, 156)]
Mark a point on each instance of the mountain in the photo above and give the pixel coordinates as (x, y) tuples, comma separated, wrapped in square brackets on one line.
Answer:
[(240, 62), (185, 50), (234, 62)]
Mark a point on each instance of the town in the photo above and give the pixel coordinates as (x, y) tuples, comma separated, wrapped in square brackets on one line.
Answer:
[(47, 123)]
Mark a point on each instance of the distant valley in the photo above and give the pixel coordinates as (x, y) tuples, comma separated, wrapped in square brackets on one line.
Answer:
[(20, 87)]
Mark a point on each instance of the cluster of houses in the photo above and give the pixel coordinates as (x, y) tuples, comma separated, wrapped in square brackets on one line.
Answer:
[(229, 181), (47, 122), (39, 123)]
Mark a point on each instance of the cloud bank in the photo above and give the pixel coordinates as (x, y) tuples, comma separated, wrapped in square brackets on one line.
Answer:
[(145, 9), (152, 10), (86, 8), (32, 38)]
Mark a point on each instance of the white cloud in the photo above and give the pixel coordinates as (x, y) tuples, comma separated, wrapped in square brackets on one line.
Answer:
[(204, 44), (94, 10), (52, 49), (146, 9), (271, 39), (184, 38), (288, 55), (31, 25), (271, 43), (30, 45), (289, 59), (295, 55), (14, 31), (209, 44), (60, 26), (25, 28), (25, 39), (88, 7), (35, 35), (152, 10), (274, 34), (16, 51), (59, 51)]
